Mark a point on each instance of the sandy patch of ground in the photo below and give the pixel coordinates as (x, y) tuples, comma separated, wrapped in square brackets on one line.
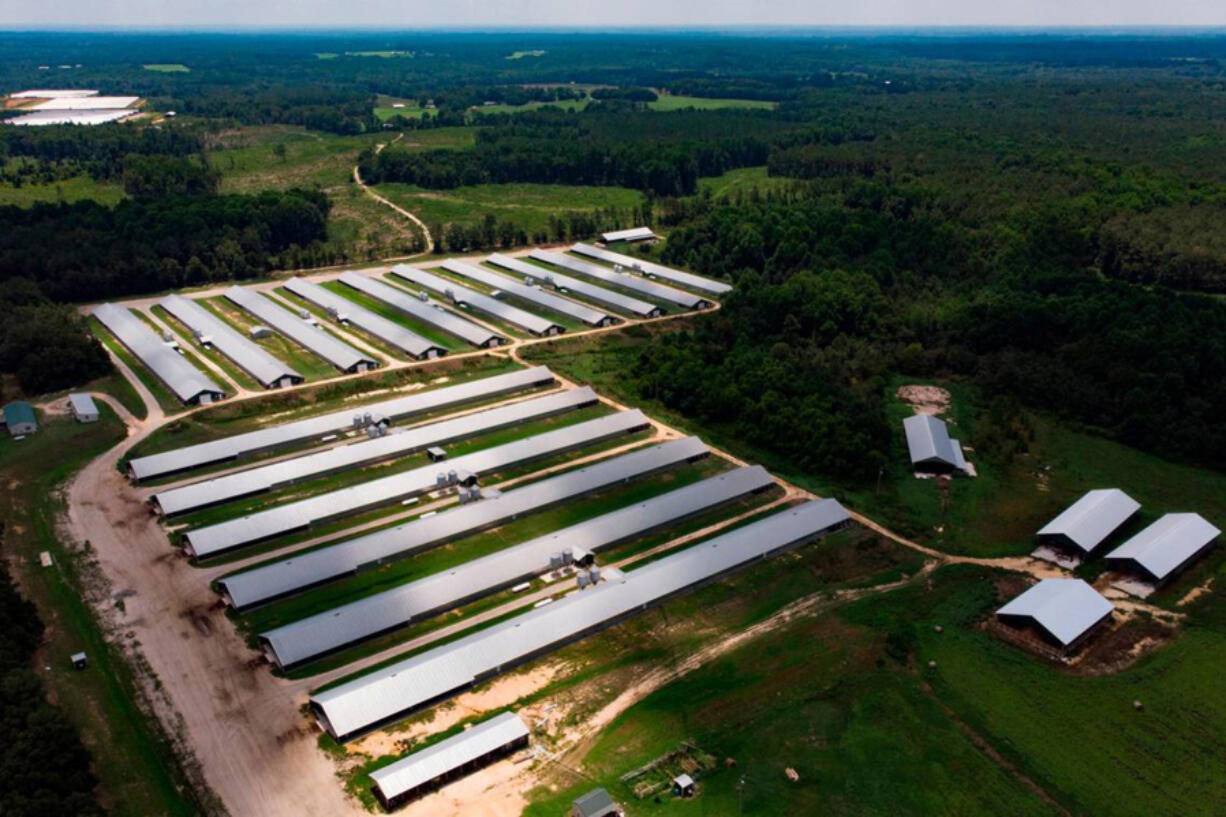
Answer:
[(1195, 593), (924, 399)]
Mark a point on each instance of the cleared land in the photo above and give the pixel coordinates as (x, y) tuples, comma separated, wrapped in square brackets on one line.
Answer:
[(673, 102)]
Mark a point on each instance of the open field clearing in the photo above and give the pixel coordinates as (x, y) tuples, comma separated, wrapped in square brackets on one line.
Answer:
[(676, 102), (742, 180), (74, 188), (527, 206)]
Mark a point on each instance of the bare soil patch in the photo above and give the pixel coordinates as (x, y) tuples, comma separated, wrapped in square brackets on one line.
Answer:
[(925, 399)]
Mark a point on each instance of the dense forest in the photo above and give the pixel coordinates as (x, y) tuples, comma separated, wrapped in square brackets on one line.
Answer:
[(44, 768)]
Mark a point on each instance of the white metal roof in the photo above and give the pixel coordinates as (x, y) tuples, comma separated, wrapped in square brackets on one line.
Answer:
[(325, 564), (1092, 518), (624, 280), (383, 694), (632, 234), (329, 347), (86, 103), (427, 312), (361, 317), (688, 279), (48, 93), (184, 379), (364, 452), (1167, 543), (382, 612), (1066, 608), (590, 291), (36, 118), (238, 347), (282, 519), (82, 404), (928, 442), (420, 402), (446, 756), (548, 300), (462, 294)]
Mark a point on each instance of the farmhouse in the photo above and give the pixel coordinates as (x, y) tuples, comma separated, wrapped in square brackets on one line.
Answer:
[(20, 419), (83, 408), (1087, 523), (930, 446), (1062, 611), (433, 767), (1166, 547)]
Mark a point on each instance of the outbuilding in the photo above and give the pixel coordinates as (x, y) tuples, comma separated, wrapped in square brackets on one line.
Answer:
[(1087, 523), (1165, 548), (596, 803), (930, 446), (83, 408), (20, 419), (1061, 611), (683, 785), (634, 234)]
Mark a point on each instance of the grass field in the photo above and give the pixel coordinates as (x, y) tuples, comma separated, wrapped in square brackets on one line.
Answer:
[(527, 206), (672, 102), (742, 180), (76, 188), (564, 104), (167, 67), (130, 756)]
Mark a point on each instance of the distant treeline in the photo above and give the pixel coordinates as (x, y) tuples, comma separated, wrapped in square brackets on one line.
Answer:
[(101, 152), (86, 251), (551, 147), (44, 769)]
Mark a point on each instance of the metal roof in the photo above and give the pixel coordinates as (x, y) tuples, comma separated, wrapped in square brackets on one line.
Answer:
[(329, 347), (238, 445), (395, 608), (446, 756), (19, 411), (185, 380), (1091, 519), (556, 303), (596, 803), (427, 312), (35, 118), (1167, 543), (1066, 608), (398, 443), (282, 519), (82, 404), (632, 234), (928, 442), (325, 564), (230, 342), (406, 685), (363, 318), (86, 103), (688, 279), (625, 280), (485, 303), (590, 291), (57, 93)]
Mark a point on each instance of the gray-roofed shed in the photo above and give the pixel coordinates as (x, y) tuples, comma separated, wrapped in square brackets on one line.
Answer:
[(300, 571), (392, 609), (382, 696), (187, 382), (1165, 547), (527, 292), (424, 311), (930, 446), (395, 334), (677, 276), (1065, 609), (624, 280), (1088, 522), (588, 290), (419, 402), (250, 357), (461, 294), (83, 407), (327, 346)]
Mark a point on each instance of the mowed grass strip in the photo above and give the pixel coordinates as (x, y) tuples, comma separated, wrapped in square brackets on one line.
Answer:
[(300, 359)]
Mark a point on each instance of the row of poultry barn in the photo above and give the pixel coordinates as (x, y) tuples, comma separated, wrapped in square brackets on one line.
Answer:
[(205, 347), (527, 512)]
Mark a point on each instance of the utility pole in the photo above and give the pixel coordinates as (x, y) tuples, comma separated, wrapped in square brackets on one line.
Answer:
[(740, 796)]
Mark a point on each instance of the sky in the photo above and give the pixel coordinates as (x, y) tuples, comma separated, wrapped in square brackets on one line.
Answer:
[(411, 14)]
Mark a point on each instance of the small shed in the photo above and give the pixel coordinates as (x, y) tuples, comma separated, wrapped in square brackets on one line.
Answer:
[(683, 785), (20, 418), (78, 660), (83, 408), (436, 454), (596, 803), (259, 332)]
